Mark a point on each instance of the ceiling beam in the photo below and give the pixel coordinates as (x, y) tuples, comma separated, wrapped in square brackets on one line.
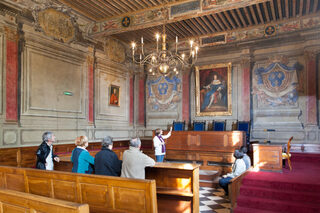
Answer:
[(230, 20), (246, 12), (100, 4), (265, 7), (273, 10), (200, 30), (294, 8), (241, 17), (260, 13), (235, 18), (116, 11), (287, 8), (212, 21), (147, 3), (315, 5), (253, 15), (116, 5), (182, 25), (308, 7), (204, 19), (189, 24), (301, 8), (280, 9), (75, 7), (219, 22), (220, 15)]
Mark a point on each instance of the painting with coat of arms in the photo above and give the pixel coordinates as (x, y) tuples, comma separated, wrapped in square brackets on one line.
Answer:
[(276, 85), (163, 93), (213, 90)]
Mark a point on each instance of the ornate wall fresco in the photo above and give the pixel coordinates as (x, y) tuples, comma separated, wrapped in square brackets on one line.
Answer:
[(55, 22), (115, 51), (275, 85), (163, 93)]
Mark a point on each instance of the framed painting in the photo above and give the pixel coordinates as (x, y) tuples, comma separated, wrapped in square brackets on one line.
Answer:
[(213, 90), (114, 95)]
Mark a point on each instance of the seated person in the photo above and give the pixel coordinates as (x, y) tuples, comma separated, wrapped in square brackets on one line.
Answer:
[(81, 158), (238, 168), (106, 162), (134, 161), (246, 158)]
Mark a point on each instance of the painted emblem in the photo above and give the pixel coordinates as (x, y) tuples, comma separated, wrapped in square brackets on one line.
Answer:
[(270, 30), (276, 85), (163, 93), (125, 21)]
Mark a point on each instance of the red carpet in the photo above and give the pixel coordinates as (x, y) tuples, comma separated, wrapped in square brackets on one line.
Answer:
[(293, 191)]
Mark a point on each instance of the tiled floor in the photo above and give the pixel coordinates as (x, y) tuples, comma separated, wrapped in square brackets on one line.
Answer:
[(212, 200)]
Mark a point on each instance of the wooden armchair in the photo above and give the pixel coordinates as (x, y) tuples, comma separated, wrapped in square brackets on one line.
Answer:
[(287, 154)]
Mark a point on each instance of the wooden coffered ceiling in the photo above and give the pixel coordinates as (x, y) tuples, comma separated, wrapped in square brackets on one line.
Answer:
[(234, 18)]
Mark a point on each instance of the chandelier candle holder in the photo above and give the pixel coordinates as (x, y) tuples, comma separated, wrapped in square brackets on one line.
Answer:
[(165, 61)]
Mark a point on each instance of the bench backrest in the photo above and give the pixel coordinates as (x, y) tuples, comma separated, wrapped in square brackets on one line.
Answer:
[(234, 188), (14, 201), (102, 193)]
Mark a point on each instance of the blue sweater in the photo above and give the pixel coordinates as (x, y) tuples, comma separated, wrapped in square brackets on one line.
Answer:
[(81, 160)]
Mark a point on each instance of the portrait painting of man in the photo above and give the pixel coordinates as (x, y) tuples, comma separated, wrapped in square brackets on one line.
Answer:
[(213, 90), (114, 95)]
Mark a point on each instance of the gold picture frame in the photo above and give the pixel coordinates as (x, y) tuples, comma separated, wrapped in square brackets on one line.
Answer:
[(114, 95), (213, 90)]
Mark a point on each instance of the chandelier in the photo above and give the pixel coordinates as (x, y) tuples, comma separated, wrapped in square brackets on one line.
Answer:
[(164, 61)]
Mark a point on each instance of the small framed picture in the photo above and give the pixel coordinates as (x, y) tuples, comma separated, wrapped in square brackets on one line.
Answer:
[(114, 95)]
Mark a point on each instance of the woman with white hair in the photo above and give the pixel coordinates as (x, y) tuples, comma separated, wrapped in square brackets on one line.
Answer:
[(45, 155)]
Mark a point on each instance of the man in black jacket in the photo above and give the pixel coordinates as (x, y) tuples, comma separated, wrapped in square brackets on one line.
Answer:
[(106, 162), (45, 154)]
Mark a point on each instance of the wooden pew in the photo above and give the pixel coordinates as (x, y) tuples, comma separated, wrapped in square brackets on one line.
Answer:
[(177, 186), (14, 201), (234, 188), (102, 193)]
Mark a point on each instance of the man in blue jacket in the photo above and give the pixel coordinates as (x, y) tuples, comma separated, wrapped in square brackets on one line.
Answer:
[(106, 162)]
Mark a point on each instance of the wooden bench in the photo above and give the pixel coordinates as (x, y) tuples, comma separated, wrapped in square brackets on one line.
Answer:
[(102, 193), (234, 188), (177, 184), (14, 201)]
